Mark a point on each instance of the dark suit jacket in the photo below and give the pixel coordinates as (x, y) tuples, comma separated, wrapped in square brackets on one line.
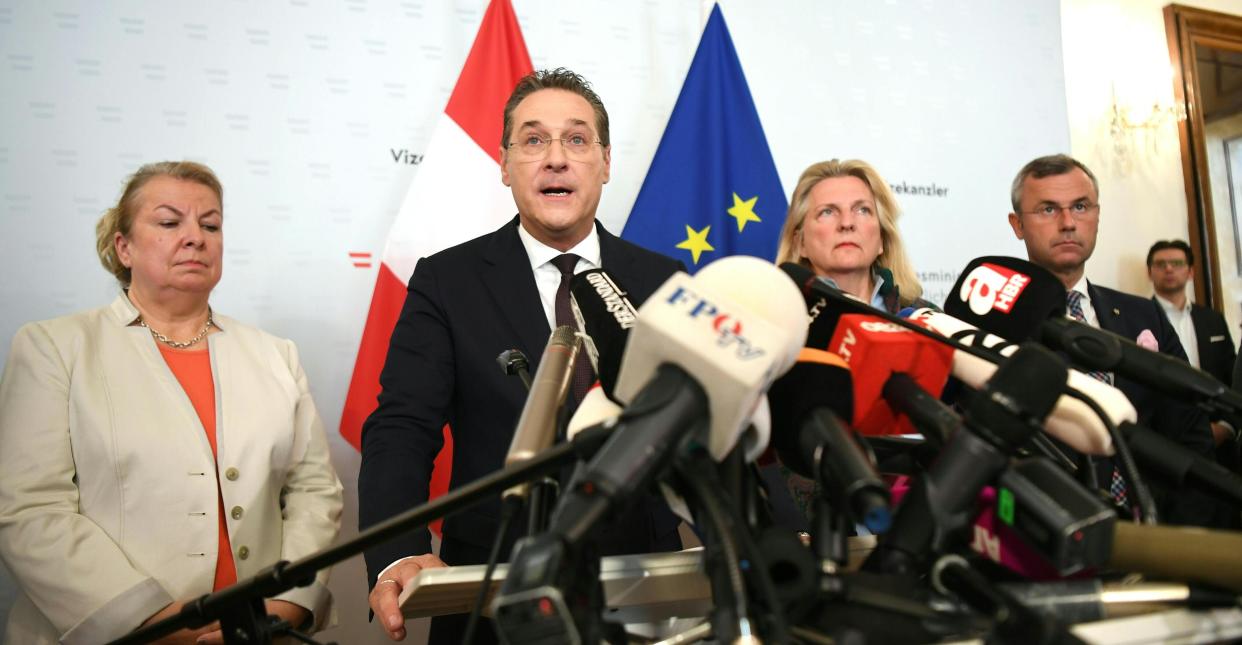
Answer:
[(1216, 351), (1128, 315), (464, 306)]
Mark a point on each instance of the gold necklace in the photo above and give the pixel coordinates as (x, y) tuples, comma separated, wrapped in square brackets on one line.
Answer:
[(175, 344)]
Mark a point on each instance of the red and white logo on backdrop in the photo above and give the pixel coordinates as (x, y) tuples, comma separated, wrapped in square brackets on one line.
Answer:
[(462, 158)]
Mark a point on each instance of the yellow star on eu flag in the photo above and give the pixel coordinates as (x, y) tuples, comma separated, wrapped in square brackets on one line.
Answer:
[(696, 242), (744, 211)]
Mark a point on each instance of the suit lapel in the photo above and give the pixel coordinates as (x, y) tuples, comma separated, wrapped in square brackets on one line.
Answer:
[(511, 283), (614, 256), (1107, 312), (1203, 329)]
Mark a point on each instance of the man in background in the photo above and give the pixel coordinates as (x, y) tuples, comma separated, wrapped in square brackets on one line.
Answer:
[(1206, 339), (1203, 332)]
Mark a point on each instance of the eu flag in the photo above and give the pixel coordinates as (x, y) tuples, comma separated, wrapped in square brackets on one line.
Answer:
[(712, 188)]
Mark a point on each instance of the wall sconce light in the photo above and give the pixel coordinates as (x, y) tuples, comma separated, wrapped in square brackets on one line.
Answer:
[(1125, 124)]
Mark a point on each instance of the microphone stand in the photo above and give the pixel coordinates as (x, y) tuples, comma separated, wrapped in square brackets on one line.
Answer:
[(539, 497), (239, 608), (730, 552)]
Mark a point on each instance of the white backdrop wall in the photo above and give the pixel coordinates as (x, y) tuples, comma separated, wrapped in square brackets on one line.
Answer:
[(315, 114), (1121, 45)]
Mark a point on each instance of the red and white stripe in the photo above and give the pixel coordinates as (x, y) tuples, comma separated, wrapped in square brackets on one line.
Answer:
[(456, 195)]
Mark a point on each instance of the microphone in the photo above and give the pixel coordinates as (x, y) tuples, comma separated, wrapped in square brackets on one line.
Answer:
[(1071, 421), (875, 350), (813, 442), (1067, 526), (513, 361), (536, 427), (1007, 411), (1179, 553), (1011, 620), (1102, 350), (1179, 465), (1006, 296), (845, 470), (975, 364), (732, 329), (1082, 601), (605, 314), (936, 421), (702, 351), (1037, 310)]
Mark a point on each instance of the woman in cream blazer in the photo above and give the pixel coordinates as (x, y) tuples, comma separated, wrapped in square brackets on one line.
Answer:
[(109, 492)]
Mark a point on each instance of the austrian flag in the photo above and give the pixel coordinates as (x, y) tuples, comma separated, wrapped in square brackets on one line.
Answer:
[(462, 158)]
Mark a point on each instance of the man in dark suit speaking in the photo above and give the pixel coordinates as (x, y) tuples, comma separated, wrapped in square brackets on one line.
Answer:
[(467, 304), (1056, 213)]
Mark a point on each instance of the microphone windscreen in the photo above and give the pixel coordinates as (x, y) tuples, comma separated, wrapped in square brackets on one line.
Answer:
[(1006, 296), (753, 284), (605, 313), (875, 349), (594, 409), (820, 379), (733, 351)]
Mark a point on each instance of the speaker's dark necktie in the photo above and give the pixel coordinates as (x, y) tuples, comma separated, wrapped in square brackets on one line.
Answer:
[(583, 375)]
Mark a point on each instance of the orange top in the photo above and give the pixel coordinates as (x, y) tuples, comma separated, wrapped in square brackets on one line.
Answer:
[(193, 371)]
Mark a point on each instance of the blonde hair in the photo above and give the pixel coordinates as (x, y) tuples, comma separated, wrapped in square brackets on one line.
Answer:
[(893, 253), (120, 218)]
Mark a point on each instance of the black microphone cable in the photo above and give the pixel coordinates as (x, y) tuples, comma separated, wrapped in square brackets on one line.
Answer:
[(509, 507), (1148, 513), (699, 475)]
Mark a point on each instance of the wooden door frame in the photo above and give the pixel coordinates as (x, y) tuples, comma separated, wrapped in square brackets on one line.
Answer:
[(1187, 27)]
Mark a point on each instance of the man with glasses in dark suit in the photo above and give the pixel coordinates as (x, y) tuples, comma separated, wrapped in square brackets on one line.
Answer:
[(1056, 214), (467, 304), (1203, 332)]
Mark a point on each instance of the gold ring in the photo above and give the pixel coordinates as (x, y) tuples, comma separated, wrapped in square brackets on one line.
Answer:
[(387, 580)]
